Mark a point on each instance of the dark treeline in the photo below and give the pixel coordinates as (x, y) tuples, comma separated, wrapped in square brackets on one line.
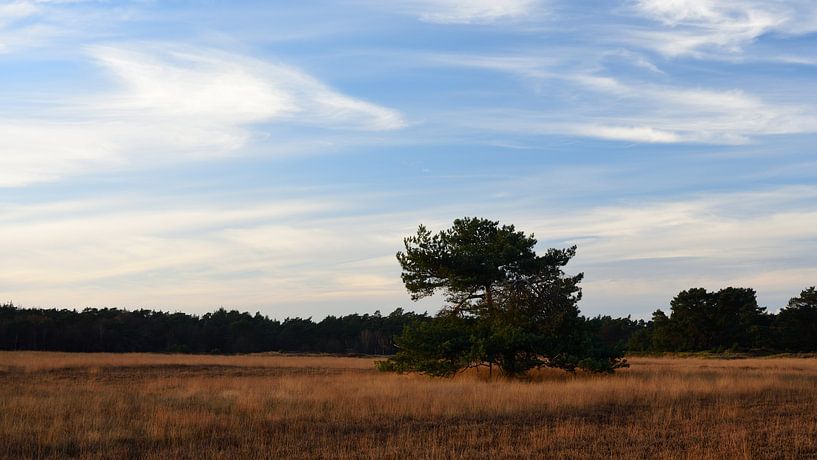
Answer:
[(223, 331), (726, 320)]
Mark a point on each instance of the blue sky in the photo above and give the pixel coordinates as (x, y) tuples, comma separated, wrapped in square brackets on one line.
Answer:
[(271, 156)]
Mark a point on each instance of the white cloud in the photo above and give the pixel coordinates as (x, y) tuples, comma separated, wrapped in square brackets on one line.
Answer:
[(637, 255), (170, 105), (14, 33), (658, 113), (655, 116), (222, 88), (634, 59), (626, 133), (728, 226), (288, 255), (698, 27), (198, 255), (12, 11), (27, 24), (466, 11), (523, 66), (605, 107), (213, 86)]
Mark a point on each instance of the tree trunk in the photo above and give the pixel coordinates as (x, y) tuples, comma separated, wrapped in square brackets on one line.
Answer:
[(489, 298)]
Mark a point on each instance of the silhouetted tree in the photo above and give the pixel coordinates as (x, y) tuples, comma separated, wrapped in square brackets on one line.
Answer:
[(702, 320), (619, 333), (796, 325), (664, 336)]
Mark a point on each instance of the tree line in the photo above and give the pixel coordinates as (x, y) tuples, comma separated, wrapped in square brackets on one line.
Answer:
[(222, 331), (699, 320), (729, 319)]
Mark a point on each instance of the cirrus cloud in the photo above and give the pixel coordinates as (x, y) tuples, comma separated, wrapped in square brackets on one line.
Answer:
[(170, 104), (700, 27), (465, 11)]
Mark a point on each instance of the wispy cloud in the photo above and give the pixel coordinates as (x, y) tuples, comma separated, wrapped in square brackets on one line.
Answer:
[(286, 255), (279, 255), (705, 27), (57, 24), (224, 88), (16, 31), (12, 11), (170, 104), (645, 134), (639, 254), (466, 11), (633, 109), (660, 113)]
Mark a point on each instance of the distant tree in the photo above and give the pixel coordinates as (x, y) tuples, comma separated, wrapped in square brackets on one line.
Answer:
[(506, 305), (740, 322), (664, 336), (618, 333), (702, 320), (796, 324), (693, 319)]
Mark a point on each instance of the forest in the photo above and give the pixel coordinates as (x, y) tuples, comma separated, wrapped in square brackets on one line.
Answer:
[(699, 320), (222, 331)]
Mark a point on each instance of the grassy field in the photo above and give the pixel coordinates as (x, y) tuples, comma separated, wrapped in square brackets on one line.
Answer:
[(57, 405)]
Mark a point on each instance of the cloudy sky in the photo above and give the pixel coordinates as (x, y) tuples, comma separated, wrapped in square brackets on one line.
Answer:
[(270, 156)]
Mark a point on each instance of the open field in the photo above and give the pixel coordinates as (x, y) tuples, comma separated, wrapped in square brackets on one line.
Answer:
[(56, 405)]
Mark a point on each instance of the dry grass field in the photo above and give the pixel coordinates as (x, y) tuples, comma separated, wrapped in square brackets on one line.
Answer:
[(56, 405)]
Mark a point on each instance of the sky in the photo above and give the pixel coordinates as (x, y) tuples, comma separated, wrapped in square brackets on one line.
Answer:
[(271, 156)]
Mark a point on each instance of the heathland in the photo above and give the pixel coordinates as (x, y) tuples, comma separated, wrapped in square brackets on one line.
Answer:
[(62, 405)]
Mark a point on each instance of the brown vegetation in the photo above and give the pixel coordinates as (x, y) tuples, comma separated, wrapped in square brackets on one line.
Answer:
[(57, 405)]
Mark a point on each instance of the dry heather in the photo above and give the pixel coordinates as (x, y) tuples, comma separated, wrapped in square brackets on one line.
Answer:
[(55, 405)]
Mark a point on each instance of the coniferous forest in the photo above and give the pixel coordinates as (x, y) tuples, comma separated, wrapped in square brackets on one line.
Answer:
[(697, 320), (222, 331)]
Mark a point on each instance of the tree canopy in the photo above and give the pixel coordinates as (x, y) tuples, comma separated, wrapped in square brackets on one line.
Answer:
[(728, 319), (796, 324), (506, 306)]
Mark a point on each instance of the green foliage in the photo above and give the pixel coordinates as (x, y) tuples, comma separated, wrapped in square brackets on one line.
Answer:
[(664, 335), (440, 347), (729, 319), (795, 328), (506, 305), (724, 321), (620, 333)]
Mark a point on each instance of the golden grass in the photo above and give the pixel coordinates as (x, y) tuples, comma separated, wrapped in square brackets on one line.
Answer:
[(57, 405), (36, 361)]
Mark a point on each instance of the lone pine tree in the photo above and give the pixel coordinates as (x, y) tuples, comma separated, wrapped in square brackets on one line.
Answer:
[(505, 306)]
